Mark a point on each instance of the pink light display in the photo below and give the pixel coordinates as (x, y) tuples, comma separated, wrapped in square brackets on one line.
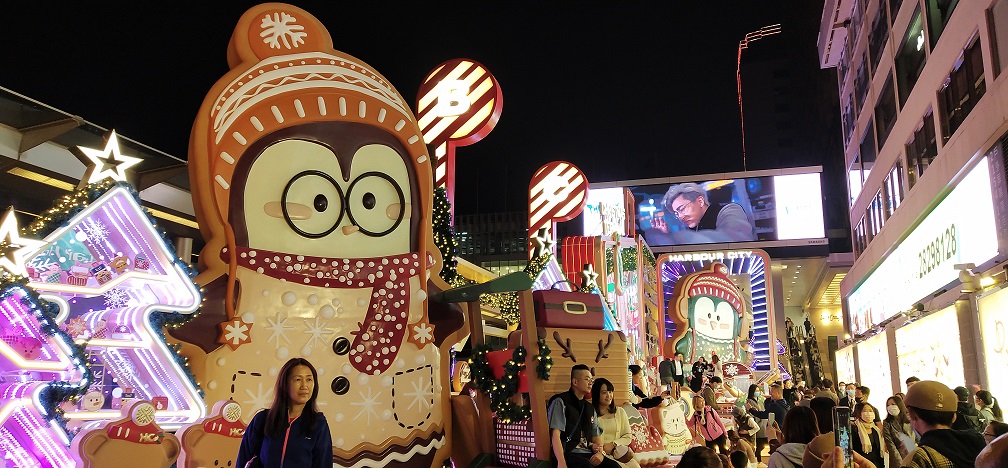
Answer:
[(110, 270), (34, 357)]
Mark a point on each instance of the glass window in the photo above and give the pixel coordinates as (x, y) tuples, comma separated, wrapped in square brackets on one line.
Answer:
[(894, 188), (999, 35), (868, 151), (885, 112), (894, 6), (938, 14), (860, 238), (962, 89), (861, 84), (854, 180), (848, 121), (910, 57), (921, 149), (878, 36)]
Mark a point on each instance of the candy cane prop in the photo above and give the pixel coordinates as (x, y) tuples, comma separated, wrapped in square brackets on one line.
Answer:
[(558, 192), (458, 104)]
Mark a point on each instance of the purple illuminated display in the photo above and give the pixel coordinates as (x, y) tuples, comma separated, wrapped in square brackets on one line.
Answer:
[(30, 361), (109, 270), (741, 264)]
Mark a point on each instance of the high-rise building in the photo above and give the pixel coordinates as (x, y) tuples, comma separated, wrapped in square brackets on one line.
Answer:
[(923, 99)]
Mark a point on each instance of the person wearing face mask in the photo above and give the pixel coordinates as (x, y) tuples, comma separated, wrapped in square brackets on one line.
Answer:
[(896, 429), (932, 408), (755, 401), (868, 440), (848, 397), (861, 396)]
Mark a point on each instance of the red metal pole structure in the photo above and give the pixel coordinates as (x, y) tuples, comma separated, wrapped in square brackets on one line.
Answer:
[(744, 44)]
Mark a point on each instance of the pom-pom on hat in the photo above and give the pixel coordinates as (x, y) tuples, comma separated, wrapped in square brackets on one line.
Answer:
[(931, 395)]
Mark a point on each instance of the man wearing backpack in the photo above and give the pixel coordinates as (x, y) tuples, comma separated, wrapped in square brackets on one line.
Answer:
[(967, 416)]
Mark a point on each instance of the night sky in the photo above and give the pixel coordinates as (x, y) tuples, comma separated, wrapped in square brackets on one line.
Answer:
[(623, 90)]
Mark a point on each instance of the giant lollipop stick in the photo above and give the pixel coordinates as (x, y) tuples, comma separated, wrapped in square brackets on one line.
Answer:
[(458, 104)]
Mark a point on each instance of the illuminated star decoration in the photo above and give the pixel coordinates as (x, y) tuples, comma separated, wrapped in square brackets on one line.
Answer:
[(105, 163), (542, 243), (14, 247), (588, 277)]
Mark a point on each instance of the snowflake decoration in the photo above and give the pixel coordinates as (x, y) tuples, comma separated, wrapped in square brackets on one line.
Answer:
[(422, 393), (421, 333), (368, 405), (639, 434), (234, 333), (317, 332), (731, 370), (279, 329), (95, 231), (76, 327), (117, 298), (258, 400), (282, 27)]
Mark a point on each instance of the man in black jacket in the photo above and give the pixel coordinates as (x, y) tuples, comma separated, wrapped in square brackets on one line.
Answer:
[(574, 433), (967, 416)]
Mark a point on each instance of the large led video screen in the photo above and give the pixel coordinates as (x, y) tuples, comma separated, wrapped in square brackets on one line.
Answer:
[(731, 210)]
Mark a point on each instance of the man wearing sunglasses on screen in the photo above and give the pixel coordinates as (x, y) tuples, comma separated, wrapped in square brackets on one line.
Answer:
[(689, 203)]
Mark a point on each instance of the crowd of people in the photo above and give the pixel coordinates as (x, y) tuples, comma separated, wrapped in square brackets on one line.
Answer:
[(929, 426)]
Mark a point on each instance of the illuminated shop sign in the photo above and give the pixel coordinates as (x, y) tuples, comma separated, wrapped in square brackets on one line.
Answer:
[(995, 338), (845, 365), (930, 350), (873, 362), (961, 229)]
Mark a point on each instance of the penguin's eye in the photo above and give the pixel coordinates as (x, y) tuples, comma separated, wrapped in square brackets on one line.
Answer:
[(312, 204), (376, 202)]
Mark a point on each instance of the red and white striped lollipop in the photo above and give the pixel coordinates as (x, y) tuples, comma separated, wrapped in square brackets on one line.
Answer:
[(458, 104), (558, 192)]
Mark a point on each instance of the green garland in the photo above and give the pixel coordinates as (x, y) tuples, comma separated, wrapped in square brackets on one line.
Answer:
[(545, 361), (444, 235), (501, 391)]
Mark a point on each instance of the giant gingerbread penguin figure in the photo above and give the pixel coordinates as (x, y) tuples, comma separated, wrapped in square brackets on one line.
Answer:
[(313, 190)]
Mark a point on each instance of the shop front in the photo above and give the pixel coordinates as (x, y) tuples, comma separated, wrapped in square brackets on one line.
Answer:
[(916, 314)]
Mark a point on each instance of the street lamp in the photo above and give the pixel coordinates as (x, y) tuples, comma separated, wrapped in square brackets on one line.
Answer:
[(742, 45)]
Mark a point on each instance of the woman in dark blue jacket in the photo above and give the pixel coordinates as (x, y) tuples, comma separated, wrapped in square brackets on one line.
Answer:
[(291, 433)]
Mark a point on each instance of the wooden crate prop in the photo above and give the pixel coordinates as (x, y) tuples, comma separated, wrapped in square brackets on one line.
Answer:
[(603, 351), (515, 443)]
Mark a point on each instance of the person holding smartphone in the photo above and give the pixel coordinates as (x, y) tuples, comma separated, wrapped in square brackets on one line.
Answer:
[(867, 439)]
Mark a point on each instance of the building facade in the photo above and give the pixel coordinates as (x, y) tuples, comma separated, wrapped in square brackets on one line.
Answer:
[(922, 98)]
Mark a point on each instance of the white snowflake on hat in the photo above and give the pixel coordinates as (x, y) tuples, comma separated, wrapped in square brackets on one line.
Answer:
[(282, 27)]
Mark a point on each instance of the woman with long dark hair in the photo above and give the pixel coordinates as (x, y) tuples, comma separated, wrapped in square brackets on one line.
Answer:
[(291, 432), (866, 438), (613, 421), (899, 436)]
